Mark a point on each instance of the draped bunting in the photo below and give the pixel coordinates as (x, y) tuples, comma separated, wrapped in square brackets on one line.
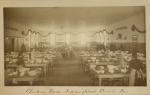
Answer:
[(44, 35), (105, 31), (134, 28), (34, 32)]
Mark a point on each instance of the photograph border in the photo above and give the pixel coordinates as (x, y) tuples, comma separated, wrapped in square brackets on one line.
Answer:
[(73, 90)]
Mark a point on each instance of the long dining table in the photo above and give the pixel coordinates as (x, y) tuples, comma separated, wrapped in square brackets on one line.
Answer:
[(45, 67), (101, 76)]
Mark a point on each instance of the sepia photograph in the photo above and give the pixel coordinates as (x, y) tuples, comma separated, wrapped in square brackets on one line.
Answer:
[(75, 46)]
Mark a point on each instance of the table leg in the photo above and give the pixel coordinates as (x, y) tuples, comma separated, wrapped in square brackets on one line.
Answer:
[(100, 82), (44, 70), (30, 82), (132, 77), (14, 81), (52, 66)]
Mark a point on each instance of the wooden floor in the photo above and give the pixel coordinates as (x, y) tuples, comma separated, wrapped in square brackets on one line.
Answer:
[(68, 72)]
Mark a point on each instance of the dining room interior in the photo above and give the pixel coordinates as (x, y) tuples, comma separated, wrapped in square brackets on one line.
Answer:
[(75, 46)]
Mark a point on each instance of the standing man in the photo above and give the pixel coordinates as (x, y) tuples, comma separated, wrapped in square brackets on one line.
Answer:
[(136, 73)]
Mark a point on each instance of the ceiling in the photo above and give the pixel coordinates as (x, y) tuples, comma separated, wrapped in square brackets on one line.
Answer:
[(44, 17)]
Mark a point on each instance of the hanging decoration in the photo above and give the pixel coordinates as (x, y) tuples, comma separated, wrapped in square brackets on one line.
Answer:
[(34, 32), (102, 31), (46, 35), (121, 28), (103, 36), (27, 33), (134, 28)]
